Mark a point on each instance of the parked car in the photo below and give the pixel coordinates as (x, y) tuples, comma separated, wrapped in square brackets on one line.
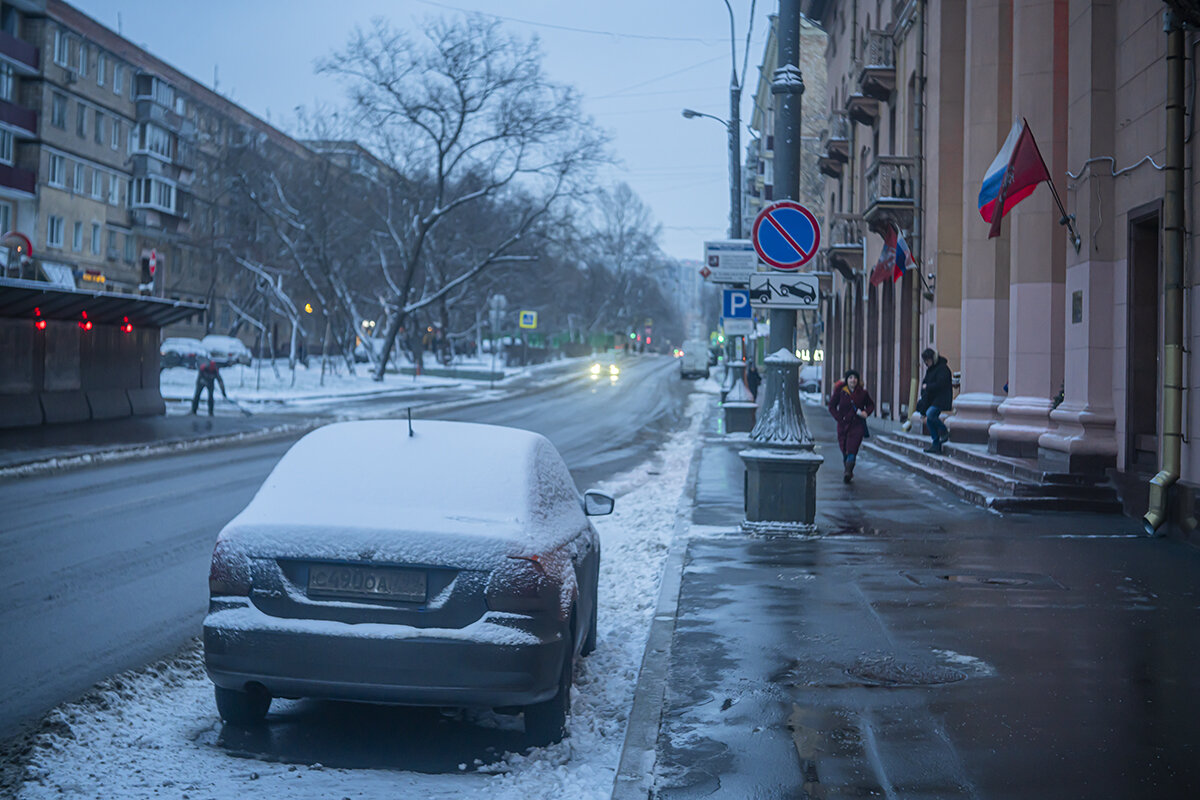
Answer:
[(227, 350), (810, 377), (180, 351), (453, 566), (694, 361)]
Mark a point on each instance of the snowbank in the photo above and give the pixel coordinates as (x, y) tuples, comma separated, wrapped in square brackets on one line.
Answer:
[(154, 732)]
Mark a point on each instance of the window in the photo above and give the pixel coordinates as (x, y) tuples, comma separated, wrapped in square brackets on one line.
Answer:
[(118, 74), (6, 150), (77, 237), (58, 111), (112, 244), (60, 58), (6, 216), (114, 190), (96, 238), (116, 134), (81, 119), (99, 127), (153, 193), (77, 183), (97, 184), (58, 173), (129, 248), (101, 68), (7, 82), (54, 232), (83, 59)]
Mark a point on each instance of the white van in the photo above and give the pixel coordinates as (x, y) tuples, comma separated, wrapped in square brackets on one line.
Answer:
[(694, 361)]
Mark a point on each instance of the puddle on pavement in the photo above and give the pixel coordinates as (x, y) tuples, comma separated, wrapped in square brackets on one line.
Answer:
[(887, 671)]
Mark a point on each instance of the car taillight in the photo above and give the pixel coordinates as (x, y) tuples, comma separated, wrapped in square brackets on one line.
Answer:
[(228, 576), (521, 584)]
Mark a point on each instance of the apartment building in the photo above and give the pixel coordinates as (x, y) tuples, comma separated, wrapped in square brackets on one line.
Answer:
[(112, 162)]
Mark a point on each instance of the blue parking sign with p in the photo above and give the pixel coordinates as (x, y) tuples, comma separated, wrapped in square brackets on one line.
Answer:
[(736, 304)]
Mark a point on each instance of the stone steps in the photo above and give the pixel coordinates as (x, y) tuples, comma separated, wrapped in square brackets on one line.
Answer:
[(1005, 484)]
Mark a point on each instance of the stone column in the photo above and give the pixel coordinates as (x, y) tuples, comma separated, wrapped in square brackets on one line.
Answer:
[(987, 117), (1085, 439), (1039, 244)]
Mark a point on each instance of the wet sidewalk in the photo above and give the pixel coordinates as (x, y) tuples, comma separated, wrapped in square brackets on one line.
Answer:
[(921, 647)]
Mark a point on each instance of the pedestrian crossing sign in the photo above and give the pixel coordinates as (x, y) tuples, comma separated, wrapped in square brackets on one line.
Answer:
[(528, 319)]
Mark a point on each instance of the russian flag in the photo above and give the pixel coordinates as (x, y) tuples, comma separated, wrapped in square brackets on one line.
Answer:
[(904, 258), (1013, 175)]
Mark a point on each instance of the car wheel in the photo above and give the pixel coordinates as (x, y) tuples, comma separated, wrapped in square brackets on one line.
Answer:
[(546, 722), (242, 708), (589, 644)]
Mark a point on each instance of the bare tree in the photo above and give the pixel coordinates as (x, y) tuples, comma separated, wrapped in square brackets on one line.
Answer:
[(465, 115)]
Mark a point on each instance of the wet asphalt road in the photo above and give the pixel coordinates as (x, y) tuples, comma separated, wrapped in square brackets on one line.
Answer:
[(105, 568), (924, 648)]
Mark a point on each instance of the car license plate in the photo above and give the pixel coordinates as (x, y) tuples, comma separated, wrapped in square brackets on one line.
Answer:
[(375, 583)]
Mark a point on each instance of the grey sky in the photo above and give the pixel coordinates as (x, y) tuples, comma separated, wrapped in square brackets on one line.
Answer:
[(632, 84)]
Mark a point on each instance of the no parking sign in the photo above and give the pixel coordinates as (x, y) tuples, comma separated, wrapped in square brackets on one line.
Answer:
[(786, 235)]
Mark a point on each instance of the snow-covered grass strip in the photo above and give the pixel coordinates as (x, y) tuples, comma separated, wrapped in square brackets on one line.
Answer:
[(154, 732)]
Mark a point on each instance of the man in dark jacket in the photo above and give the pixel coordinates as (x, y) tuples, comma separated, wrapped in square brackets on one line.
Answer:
[(936, 398), (206, 376)]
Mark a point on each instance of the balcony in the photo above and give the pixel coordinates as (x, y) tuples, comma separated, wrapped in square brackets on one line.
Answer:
[(877, 68), (862, 109), (837, 138), (830, 166), (890, 184), (844, 243), (23, 56), (18, 180), (19, 118)]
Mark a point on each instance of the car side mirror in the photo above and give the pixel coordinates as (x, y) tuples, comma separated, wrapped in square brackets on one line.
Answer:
[(597, 504)]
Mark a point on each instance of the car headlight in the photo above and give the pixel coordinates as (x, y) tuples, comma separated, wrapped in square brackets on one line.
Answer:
[(595, 369), (613, 369)]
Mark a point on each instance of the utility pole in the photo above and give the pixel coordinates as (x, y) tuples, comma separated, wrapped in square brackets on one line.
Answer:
[(781, 470), (735, 136)]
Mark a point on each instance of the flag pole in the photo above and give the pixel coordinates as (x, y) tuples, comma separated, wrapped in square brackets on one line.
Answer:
[(1066, 219)]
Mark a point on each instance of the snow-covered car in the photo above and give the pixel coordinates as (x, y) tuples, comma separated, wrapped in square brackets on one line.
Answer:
[(227, 350), (453, 566), (810, 377), (180, 351)]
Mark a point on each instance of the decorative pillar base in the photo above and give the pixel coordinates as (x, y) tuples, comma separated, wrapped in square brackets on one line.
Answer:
[(1084, 443), (974, 414), (1024, 420), (781, 488)]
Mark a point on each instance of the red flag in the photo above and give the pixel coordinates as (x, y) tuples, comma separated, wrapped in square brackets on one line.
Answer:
[(1026, 169), (887, 259)]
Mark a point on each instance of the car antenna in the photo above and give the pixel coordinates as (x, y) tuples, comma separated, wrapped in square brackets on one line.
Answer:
[(410, 430)]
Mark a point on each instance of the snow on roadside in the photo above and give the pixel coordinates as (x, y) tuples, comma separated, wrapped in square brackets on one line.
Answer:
[(153, 732)]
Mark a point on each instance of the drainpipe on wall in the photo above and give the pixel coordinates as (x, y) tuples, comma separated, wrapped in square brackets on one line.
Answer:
[(919, 212), (1173, 238)]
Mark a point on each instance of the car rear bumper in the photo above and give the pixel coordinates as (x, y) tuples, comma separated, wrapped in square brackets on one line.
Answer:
[(486, 664)]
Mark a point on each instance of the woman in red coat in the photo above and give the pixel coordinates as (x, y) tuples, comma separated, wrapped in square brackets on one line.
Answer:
[(850, 404)]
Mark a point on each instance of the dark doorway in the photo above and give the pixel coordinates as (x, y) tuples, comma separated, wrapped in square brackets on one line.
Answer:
[(1143, 375)]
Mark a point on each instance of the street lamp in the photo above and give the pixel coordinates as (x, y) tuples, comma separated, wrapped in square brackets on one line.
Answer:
[(735, 168)]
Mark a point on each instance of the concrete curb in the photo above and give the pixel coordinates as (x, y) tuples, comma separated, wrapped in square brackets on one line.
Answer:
[(635, 771), (132, 452)]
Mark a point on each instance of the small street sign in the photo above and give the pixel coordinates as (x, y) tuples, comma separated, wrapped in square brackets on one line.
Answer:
[(800, 292), (786, 235), (705, 272), (153, 261), (738, 326), (729, 260), (527, 319), (736, 304)]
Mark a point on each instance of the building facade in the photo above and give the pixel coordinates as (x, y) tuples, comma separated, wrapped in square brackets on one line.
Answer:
[(1062, 349)]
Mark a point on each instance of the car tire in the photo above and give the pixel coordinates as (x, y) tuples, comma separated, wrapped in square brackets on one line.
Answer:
[(242, 708), (546, 722)]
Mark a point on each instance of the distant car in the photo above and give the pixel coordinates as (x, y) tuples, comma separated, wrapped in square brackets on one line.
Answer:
[(605, 365), (694, 362), (180, 351), (227, 350), (810, 378), (454, 566), (360, 350)]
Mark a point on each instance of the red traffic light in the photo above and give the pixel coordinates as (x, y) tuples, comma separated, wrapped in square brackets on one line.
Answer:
[(40, 324), (126, 326)]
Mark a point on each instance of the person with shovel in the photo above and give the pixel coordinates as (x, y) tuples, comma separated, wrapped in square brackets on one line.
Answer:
[(206, 375)]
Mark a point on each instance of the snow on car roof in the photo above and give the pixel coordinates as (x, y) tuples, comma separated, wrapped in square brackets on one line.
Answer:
[(363, 482)]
